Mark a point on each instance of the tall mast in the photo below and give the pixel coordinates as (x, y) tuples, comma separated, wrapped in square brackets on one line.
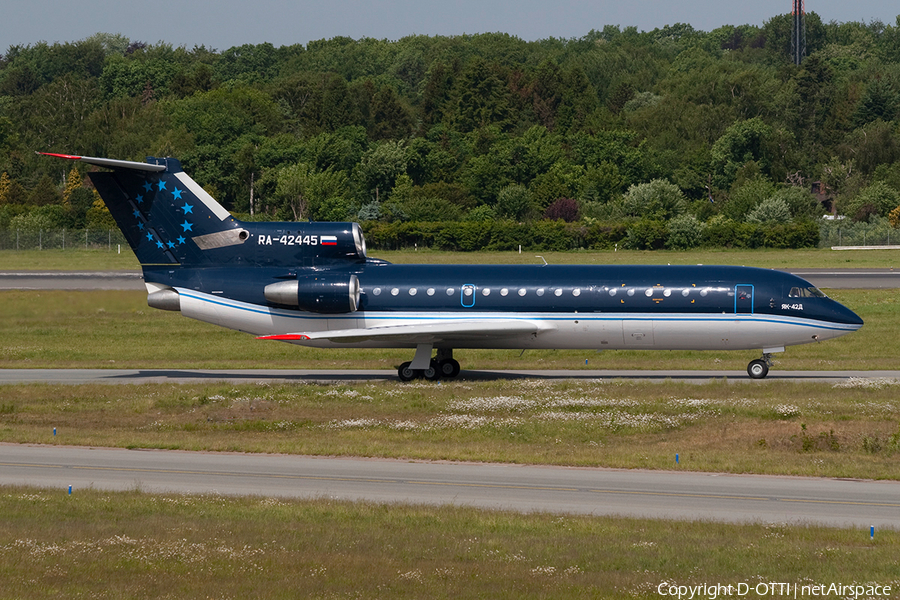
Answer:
[(798, 32)]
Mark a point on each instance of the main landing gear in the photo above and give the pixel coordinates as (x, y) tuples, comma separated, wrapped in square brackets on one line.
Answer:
[(442, 366)]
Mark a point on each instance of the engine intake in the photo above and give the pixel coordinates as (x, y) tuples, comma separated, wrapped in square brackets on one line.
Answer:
[(325, 293), (166, 299)]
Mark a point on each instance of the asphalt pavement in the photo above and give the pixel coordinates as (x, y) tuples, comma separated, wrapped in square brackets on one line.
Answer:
[(681, 495), (182, 376)]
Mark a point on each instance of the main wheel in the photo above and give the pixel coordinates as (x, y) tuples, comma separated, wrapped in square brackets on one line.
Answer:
[(431, 373), (448, 368), (757, 369), (405, 373)]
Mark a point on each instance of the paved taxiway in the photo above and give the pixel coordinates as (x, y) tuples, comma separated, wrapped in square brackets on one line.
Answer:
[(141, 376), (71, 280), (653, 494)]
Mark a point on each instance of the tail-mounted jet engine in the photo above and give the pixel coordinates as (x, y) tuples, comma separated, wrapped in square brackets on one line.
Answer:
[(321, 293)]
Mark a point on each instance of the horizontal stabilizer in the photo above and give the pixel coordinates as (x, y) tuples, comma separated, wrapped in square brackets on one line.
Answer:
[(422, 333), (110, 163)]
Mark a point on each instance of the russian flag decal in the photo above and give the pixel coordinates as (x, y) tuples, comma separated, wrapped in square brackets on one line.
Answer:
[(329, 240)]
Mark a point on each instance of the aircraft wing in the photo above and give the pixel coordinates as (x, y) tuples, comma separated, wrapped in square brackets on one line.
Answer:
[(423, 333)]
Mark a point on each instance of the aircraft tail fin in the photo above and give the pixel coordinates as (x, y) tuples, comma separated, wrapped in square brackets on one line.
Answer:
[(165, 216)]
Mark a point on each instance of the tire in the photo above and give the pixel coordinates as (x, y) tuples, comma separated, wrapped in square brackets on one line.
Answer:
[(405, 373), (757, 369), (448, 368)]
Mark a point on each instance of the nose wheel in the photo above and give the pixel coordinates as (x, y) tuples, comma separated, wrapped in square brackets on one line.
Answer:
[(759, 368)]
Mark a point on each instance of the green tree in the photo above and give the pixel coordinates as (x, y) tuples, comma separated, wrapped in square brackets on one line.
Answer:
[(73, 182), (147, 79), (744, 198), (879, 101), (247, 63), (770, 211), (44, 193), (514, 202), (877, 199), (305, 193), (5, 184), (685, 232), (743, 142), (390, 119), (656, 200), (801, 203), (482, 98), (379, 168), (220, 116)]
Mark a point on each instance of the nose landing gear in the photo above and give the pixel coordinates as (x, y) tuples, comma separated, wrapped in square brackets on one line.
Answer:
[(759, 368)]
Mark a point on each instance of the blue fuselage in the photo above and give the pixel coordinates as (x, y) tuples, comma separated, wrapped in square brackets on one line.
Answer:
[(545, 288)]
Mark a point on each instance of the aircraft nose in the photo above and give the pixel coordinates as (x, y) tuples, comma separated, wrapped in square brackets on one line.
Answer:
[(845, 315)]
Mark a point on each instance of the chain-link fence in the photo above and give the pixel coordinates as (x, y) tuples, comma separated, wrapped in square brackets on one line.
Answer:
[(61, 239), (844, 232)]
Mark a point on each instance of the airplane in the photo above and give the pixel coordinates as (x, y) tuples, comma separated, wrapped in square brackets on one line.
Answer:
[(313, 284)]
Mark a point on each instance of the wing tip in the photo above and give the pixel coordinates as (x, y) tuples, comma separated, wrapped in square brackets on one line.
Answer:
[(284, 337), (57, 155)]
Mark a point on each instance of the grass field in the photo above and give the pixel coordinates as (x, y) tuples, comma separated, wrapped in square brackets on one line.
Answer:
[(133, 545), (100, 260), (847, 430)]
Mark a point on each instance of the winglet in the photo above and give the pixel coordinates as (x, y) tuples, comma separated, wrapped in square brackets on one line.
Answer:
[(109, 162)]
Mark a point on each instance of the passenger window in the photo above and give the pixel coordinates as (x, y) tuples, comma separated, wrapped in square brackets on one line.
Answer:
[(430, 292), (504, 292), (558, 292), (522, 291), (395, 291), (540, 292), (377, 291), (413, 291)]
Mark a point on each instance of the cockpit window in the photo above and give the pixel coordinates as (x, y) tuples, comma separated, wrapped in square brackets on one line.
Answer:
[(814, 291), (807, 292)]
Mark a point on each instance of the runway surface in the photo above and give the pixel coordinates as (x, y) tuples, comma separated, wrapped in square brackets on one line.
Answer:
[(653, 494), (859, 279), (132, 280), (141, 376), (71, 280)]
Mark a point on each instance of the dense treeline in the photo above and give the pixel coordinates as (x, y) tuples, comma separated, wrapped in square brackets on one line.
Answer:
[(668, 138)]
